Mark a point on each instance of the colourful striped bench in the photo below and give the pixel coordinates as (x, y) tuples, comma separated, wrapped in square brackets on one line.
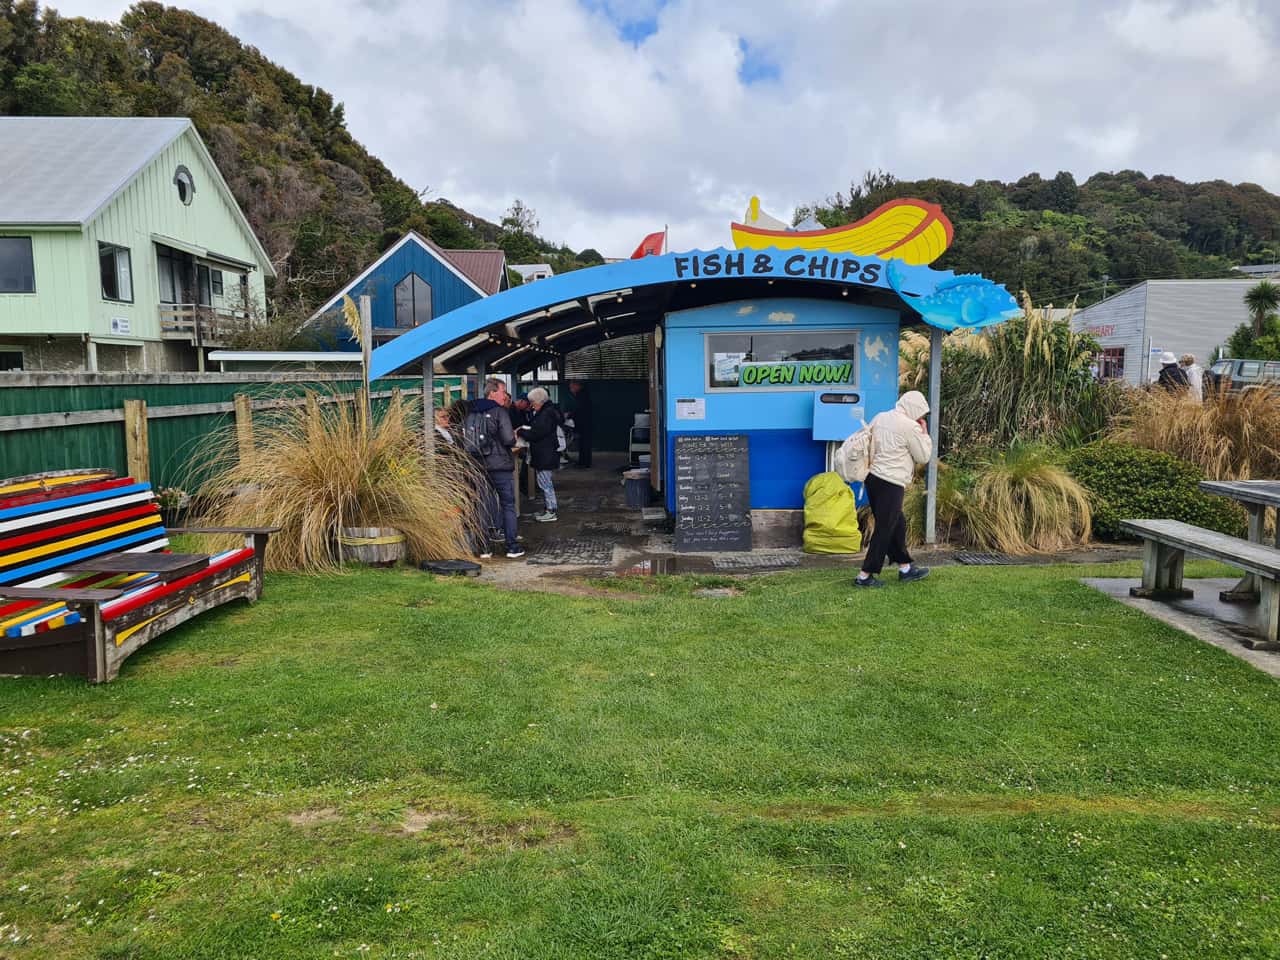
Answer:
[(86, 576)]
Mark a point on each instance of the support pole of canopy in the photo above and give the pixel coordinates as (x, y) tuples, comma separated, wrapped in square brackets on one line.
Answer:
[(428, 406), (935, 415)]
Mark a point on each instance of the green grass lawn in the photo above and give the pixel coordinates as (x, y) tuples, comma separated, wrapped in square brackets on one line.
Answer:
[(991, 763)]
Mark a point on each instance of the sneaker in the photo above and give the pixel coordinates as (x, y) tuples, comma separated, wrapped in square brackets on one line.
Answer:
[(546, 516), (515, 554), (869, 582), (486, 555), (915, 573)]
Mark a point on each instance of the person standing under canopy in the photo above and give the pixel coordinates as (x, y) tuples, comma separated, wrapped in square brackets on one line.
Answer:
[(544, 452)]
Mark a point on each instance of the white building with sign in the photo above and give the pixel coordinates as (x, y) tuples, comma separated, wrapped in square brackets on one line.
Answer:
[(1135, 326)]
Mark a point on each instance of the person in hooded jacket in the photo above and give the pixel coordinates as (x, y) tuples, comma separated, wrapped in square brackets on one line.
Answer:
[(544, 450), (899, 441)]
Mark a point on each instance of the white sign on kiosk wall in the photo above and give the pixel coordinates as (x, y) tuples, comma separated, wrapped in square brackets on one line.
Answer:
[(120, 325), (694, 408)]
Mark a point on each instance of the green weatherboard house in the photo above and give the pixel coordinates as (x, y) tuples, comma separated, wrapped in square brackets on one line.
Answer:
[(121, 246)]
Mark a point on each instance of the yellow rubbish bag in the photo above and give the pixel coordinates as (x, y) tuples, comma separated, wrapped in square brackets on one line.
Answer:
[(830, 516)]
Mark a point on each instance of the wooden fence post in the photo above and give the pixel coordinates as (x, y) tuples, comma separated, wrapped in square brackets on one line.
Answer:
[(313, 407), (137, 453), (244, 427)]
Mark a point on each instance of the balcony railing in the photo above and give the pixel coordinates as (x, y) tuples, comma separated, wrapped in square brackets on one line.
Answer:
[(201, 325)]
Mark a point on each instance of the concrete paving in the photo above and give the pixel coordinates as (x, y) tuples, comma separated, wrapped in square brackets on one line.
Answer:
[(599, 534), (1229, 626)]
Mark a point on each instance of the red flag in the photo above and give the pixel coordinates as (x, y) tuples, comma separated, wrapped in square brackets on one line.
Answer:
[(651, 245)]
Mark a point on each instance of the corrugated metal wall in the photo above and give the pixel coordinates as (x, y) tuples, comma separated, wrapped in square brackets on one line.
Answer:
[(178, 445), (1119, 321), (1195, 316)]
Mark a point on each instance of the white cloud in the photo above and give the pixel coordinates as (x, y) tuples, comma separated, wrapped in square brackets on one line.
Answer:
[(487, 100)]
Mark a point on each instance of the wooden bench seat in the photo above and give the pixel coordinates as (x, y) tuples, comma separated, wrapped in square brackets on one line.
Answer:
[(1166, 543), (86, 577)]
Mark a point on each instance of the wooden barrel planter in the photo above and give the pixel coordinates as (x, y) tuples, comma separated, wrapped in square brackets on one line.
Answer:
[(376, 546)]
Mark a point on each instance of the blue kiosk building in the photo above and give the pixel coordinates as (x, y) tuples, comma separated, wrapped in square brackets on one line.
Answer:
[(788, 348)]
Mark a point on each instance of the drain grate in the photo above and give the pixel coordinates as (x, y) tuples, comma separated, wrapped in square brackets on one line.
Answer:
[(985, 559), (756, 560), (598, 527), (572, 552)]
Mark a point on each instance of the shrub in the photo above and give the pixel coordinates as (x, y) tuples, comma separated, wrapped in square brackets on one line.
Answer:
[(317, 468), (1018, 501), (1128, 482), (1231, 436)]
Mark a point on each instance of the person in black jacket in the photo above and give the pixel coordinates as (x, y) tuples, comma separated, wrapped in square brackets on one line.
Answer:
[(544, 452), (582, 421), (1172, 377), (488, 419)]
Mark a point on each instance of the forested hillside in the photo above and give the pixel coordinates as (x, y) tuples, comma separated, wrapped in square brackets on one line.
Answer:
[(1056, 238), (322, 205)]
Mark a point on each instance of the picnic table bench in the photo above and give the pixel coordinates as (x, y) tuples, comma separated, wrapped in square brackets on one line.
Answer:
[(1166, 543), (86, 577)]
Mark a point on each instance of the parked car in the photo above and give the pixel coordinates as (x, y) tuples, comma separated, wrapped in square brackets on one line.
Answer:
[(1237, 375)]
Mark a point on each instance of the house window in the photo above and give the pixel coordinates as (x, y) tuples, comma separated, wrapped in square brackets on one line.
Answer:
[(17, 266), (171, 268), (186, 185), (204, 289), (216, 280), (781, 360), (1112, 366), (413, 301), (10, 360), (116, 267)]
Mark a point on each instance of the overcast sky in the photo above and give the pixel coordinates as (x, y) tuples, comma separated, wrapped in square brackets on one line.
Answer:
[(612, 118)]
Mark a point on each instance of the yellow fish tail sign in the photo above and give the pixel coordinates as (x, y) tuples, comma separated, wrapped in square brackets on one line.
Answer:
[(914, 231)]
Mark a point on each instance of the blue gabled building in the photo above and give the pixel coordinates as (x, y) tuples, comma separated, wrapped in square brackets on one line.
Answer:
[(415, 281)]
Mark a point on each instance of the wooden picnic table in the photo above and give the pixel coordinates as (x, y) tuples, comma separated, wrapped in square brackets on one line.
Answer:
[(1257, 497)]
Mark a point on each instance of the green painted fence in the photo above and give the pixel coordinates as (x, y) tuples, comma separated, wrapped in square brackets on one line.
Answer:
[(178, 444)]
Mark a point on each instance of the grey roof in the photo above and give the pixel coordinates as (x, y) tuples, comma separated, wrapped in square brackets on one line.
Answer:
[(1260, 269), (61, 170)]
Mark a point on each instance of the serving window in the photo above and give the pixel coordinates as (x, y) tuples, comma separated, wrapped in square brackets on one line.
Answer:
[(760, 360)]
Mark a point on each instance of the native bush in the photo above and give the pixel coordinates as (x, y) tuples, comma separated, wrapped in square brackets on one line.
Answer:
[(1026, 380), (1231, 436), (1128, 482)]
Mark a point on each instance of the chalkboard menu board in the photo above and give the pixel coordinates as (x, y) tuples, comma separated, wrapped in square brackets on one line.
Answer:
[(713, 493)]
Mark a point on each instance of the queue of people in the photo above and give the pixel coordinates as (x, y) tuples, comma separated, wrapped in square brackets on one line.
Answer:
[(491, 432)]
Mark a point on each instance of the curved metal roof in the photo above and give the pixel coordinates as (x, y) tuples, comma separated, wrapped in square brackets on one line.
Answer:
[(532, 324)]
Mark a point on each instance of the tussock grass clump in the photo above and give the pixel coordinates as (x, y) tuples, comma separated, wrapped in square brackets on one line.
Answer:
[(1231, 436), (316, 468), (1017, 502)]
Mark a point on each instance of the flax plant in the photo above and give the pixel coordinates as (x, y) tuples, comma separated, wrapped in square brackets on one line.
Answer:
[(323, 466)]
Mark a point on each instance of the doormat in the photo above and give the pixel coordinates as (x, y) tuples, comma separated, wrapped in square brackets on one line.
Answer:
[(756, 560), (572, 552), (986, 559)]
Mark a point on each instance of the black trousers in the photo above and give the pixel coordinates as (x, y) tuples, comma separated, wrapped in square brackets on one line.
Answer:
[(890, 535), (584, 447)]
